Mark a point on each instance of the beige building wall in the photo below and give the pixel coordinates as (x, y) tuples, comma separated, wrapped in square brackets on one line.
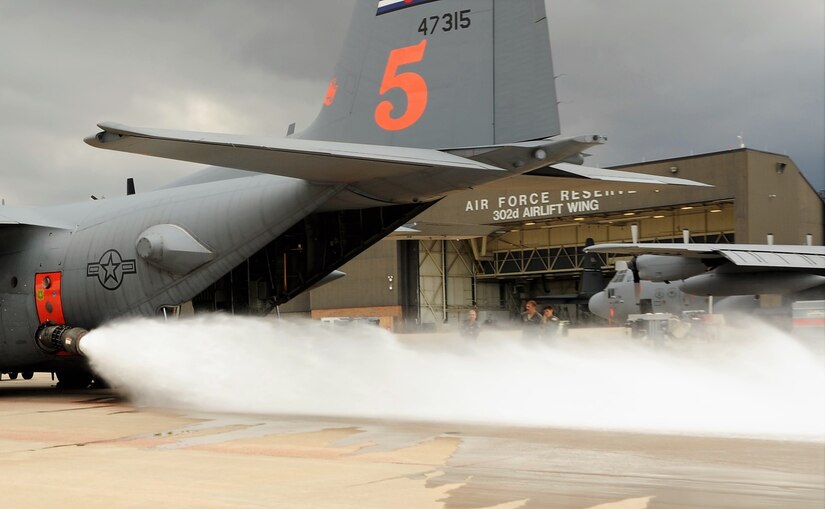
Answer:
[(779, 201), (766, 201), (367, 282), (365, 292)]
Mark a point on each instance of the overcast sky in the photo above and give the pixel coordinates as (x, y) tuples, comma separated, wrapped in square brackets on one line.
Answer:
[(659, 78)]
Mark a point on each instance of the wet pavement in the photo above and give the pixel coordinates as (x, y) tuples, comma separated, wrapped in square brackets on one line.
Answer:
[(93, 449)]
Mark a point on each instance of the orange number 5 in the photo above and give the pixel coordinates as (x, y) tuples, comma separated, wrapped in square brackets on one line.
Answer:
[(411, 83)]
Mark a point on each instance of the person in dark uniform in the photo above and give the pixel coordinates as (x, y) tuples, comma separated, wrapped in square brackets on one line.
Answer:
[(531, 320), (549, 323), (471, 326)]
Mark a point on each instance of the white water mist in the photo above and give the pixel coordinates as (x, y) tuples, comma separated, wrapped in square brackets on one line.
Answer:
[(759, 383)]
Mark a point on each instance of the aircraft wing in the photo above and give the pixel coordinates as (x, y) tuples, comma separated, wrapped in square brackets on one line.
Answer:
[(10, 216), (14, 235), (809, 258)]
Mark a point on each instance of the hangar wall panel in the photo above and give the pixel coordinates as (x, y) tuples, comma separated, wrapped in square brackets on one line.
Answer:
[(780, 201), (366, 283), (447, 282)]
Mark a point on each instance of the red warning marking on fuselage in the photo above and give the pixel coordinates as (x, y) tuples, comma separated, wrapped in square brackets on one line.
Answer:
[(47, 297)]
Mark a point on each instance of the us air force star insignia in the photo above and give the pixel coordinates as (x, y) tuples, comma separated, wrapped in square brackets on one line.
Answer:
[(110, 269)]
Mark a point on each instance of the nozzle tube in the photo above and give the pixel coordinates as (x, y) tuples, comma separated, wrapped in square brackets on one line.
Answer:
[(53, 338)]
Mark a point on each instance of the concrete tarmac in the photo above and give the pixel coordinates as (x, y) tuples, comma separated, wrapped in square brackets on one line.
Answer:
[(93, 449)]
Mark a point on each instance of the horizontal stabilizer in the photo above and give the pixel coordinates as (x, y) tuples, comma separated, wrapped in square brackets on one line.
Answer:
[(387, 173), (384, 173), (534, 154), (320, 161), (567, 170)]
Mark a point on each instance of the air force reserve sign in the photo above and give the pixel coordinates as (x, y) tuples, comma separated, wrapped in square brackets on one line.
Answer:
[(110, 269)]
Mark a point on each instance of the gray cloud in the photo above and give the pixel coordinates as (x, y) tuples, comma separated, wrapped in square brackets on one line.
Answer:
[(660, 78), (667, 78)]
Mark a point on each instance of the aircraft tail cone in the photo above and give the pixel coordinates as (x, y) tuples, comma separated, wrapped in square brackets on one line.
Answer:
[(54, 339)]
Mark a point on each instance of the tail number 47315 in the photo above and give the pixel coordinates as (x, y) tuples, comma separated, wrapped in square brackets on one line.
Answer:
[(412, 84)]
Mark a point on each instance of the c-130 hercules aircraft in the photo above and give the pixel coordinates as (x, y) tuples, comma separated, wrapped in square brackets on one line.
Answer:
[(429, 97)]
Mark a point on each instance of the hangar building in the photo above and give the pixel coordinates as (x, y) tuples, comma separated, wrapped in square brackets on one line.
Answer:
[(523, 238)]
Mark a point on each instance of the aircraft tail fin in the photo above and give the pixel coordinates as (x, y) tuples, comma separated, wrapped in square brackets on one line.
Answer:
[(592, 281), (442, 74)]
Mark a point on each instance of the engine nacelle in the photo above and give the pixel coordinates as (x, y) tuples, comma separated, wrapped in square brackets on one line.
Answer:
[(721, 284), (668, 268)]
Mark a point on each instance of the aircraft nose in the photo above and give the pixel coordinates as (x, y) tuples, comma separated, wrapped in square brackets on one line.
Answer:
[(599, 306)]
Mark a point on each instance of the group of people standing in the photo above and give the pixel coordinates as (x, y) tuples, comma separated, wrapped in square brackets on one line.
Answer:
[(536, 326), (539, 326)]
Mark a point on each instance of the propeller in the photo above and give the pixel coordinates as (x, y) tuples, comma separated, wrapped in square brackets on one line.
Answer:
[(637, 282)]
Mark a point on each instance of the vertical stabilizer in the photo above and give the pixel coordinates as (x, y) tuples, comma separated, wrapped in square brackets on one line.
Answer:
[(592, 281), (442, 74)]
